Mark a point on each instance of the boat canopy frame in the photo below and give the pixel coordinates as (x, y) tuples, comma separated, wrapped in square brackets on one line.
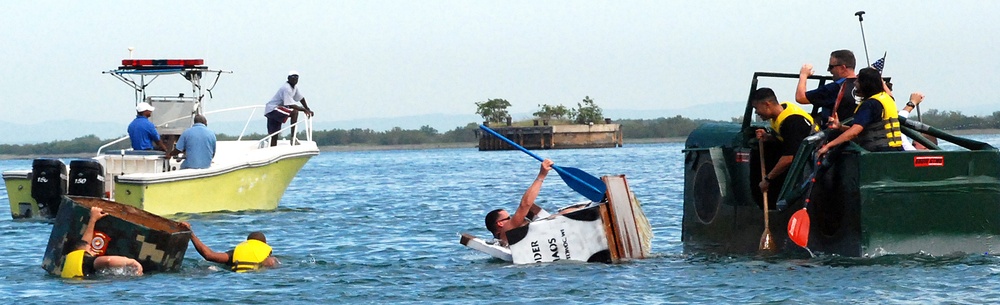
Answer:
[(194, 75), (793, 187)]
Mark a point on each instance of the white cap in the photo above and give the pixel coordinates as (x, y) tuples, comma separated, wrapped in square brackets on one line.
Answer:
[(293, 72), (143, 107)]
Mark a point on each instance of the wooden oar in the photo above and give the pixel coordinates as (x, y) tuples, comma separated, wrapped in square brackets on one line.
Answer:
[(581, 182), (766, 242)]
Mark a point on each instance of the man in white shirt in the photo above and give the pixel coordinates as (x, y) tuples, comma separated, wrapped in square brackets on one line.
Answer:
[(915, 99), (283, 105)]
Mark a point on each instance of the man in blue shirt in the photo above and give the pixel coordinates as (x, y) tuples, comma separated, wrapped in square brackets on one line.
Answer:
[(142, 132), (837, 96), (197, 143)]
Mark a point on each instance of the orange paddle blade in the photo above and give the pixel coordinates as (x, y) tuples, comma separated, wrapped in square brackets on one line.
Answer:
[(798, 228)]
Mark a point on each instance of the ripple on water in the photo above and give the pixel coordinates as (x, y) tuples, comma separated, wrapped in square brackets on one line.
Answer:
[(382, 227)]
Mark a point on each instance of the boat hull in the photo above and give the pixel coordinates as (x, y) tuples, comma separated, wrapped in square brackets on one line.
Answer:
[(254, 187), (242, 178), (864, 204), (22, 205)]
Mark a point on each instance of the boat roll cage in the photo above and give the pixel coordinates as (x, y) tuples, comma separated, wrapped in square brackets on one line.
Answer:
[(137, 79), (140, 73), (911, 128)]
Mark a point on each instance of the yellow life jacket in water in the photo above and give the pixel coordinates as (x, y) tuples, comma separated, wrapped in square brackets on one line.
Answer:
[(249, 254), (790, 110), (883, 135), (73, 264)]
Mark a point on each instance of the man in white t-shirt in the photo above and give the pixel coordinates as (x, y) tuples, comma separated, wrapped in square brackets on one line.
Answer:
[(283, 105), (915, 99)]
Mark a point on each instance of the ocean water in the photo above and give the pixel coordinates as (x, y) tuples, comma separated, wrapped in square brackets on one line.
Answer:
[(382, 227)]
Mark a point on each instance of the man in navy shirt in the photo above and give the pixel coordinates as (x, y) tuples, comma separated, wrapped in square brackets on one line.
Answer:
[(197, 143), (142, 132), (841, 66)]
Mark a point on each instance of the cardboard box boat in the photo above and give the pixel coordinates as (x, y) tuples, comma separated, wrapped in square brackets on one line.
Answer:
[(157, 243), (609, 231)]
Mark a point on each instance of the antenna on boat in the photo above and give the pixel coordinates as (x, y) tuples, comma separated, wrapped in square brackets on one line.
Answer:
[(130, 49), (861, 18)]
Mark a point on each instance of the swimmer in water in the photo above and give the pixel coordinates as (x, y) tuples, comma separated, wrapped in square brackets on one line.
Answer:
[(81, 260), (252, 254)]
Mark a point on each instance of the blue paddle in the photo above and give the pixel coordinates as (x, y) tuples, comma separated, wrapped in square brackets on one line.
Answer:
[(581, 182)]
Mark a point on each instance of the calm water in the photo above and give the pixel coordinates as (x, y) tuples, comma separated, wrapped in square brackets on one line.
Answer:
[(382, 227)]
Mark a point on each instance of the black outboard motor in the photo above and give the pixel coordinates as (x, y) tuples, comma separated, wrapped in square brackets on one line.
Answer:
[(48, 185), (86, 178)]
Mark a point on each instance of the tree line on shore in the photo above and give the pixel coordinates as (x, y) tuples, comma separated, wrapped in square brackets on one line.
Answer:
[(672, 127)]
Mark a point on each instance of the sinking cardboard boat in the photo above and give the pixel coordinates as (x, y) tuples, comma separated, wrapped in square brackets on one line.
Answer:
[(610, 231), (157, 243)]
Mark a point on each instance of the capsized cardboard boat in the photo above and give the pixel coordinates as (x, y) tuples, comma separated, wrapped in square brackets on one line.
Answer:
[(610, 231), (157, 243)]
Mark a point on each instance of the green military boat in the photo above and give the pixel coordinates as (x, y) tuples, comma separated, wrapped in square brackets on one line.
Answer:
[(862, 204)]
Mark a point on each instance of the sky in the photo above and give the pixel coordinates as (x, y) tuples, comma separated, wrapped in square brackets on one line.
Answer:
[(362, 60)]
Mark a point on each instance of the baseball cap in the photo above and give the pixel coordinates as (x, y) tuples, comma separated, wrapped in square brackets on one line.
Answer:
[(143, 107), (293, 72)]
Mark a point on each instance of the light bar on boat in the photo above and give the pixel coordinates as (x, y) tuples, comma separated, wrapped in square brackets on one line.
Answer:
[(138, 63)]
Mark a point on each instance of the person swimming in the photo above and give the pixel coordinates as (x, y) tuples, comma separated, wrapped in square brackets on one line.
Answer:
[(81, 260)]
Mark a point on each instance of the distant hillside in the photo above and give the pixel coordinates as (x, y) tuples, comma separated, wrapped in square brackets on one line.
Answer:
[(13, 133)]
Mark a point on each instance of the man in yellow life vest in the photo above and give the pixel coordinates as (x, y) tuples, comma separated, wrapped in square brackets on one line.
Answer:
[(80, 258), (791, 124), (252, 254)]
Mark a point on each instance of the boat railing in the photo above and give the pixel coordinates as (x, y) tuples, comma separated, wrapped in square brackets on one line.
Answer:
[(99, 149), (306, 124)]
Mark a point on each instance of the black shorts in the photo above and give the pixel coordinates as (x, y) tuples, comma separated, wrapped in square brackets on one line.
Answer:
[(274, 121)]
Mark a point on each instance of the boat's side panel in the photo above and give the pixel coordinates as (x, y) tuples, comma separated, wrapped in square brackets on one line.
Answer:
[(19, 194), (719, 213), (576, 236), (936, 202), (251, 188), (834, 207)]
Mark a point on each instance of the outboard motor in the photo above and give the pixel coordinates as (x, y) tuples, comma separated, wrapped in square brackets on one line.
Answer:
[(86, 178), (48, 185)]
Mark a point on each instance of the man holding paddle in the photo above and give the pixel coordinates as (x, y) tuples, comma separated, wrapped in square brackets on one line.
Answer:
[(791, 124), (499, 221)]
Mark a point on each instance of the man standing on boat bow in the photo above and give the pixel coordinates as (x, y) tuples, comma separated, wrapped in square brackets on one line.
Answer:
[(142, 132), (282, 106)]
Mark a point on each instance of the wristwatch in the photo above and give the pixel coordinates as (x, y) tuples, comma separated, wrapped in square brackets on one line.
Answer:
[(911, 104), (767, 179)]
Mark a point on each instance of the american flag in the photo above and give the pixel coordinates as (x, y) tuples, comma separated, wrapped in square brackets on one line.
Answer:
[(879, 64)]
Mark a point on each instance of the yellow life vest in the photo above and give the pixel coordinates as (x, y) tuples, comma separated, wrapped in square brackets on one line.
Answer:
[(883, 135), (790, 110), (249, 254), (73, 264)]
